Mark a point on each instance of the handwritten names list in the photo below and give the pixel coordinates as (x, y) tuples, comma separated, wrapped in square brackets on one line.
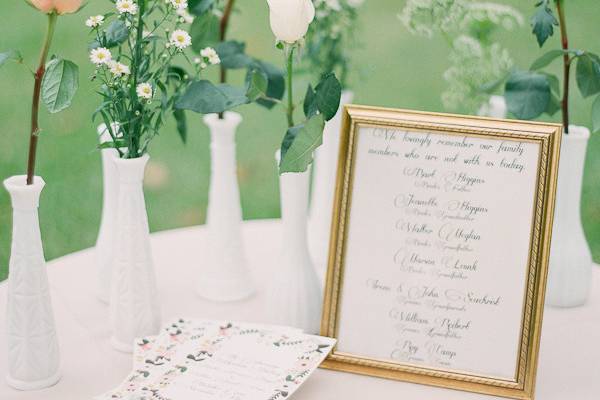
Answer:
[(437, 251)]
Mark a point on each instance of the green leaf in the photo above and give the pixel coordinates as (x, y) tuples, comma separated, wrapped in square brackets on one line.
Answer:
[(596, 115), (10, 55), (116, 33), (546, 59), (118, 144), (276, 88), (553, 105), (588, 74), (492, 87), (232, 55), (527, 94), (181, 121), (204, 97), (257, 85), (199, 7), (205, 31), (543, 23), (310, 102), (329, 94), (299, 144), (554, 83), (59, 84)]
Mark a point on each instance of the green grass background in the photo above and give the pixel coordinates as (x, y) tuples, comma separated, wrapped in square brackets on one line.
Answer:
[(396, 70)]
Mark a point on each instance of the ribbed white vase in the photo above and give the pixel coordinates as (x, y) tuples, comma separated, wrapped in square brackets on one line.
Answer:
[(33, 353), (105, 244), (223, 274), (571, 264), (494, 108), (295, 297), (134, 306), (323, 191)]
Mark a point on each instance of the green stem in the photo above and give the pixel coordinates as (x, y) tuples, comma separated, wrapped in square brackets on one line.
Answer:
[(133, 144), (35, 104), (290, 74), (223, 35), (566, 64)]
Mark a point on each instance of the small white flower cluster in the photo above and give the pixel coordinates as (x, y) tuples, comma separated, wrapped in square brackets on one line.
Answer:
[(126, 7), (326, 7), (208, 56), (178, 4), (180, 39), (94, 21), (101, 56)]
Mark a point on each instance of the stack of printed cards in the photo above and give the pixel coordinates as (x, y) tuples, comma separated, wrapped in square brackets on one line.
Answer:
[(214, 360)]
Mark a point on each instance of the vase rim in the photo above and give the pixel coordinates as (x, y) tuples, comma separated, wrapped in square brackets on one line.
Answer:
[(19, 183), (230, 117), (577, 132), (139, 160)]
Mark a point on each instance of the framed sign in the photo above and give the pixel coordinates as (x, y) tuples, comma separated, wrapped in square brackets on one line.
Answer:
[(439, 249)]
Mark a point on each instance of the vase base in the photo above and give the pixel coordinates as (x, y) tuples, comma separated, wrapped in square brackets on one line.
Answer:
[(35, 385), (225, 292), (120, 346)]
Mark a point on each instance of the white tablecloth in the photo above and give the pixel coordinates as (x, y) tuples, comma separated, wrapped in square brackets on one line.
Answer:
[(570, 351)]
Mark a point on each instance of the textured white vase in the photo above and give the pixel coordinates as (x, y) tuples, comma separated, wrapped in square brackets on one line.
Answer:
[(323, 190), (224, 275), (105, 243), (570, 271), (295, 297), (33, 353), (494, 108), (134, 306)]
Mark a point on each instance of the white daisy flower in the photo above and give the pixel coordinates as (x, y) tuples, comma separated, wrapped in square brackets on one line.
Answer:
[(100, 55), (181, 39), (208, 52), (94, 21), (185, 15), (144, 90), (118, 69), (179, 4), (126, 7)]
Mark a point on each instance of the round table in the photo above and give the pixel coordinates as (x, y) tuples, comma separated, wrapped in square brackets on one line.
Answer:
[(570, 350)]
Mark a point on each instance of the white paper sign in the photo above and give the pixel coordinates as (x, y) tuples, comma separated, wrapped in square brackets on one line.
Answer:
[(437, 250)]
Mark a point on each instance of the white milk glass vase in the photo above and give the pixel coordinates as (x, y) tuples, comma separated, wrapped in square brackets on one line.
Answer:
[(105, 244), (570, 270), (134, 306), (295, 295), (494, 108), (224, 275), (33, 352), (323, 189)]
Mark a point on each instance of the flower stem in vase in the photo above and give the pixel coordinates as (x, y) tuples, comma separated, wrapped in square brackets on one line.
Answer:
[(37, 90), (290, 74), (567, 63)]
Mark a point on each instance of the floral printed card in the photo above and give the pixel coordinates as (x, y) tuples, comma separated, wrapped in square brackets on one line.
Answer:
[(241, 363), (154, 356)]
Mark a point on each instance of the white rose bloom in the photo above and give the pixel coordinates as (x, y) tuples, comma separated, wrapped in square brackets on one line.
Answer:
[(290, 18)]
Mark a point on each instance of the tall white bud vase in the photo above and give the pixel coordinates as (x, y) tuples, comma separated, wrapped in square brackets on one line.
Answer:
[(106, 241), (494, 108), (295, 297), (134, 306), (324, 172), (570, 271), (33, 353), (224, 275)]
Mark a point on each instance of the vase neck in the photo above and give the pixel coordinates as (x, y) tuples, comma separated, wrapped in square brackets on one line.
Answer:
[(24, 197), (131, 170)]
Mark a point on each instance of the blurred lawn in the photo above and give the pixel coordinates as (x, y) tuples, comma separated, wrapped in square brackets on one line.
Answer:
[(396, 69)]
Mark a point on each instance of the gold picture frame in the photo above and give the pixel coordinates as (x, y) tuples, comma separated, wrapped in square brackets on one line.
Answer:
[(548, 136)]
